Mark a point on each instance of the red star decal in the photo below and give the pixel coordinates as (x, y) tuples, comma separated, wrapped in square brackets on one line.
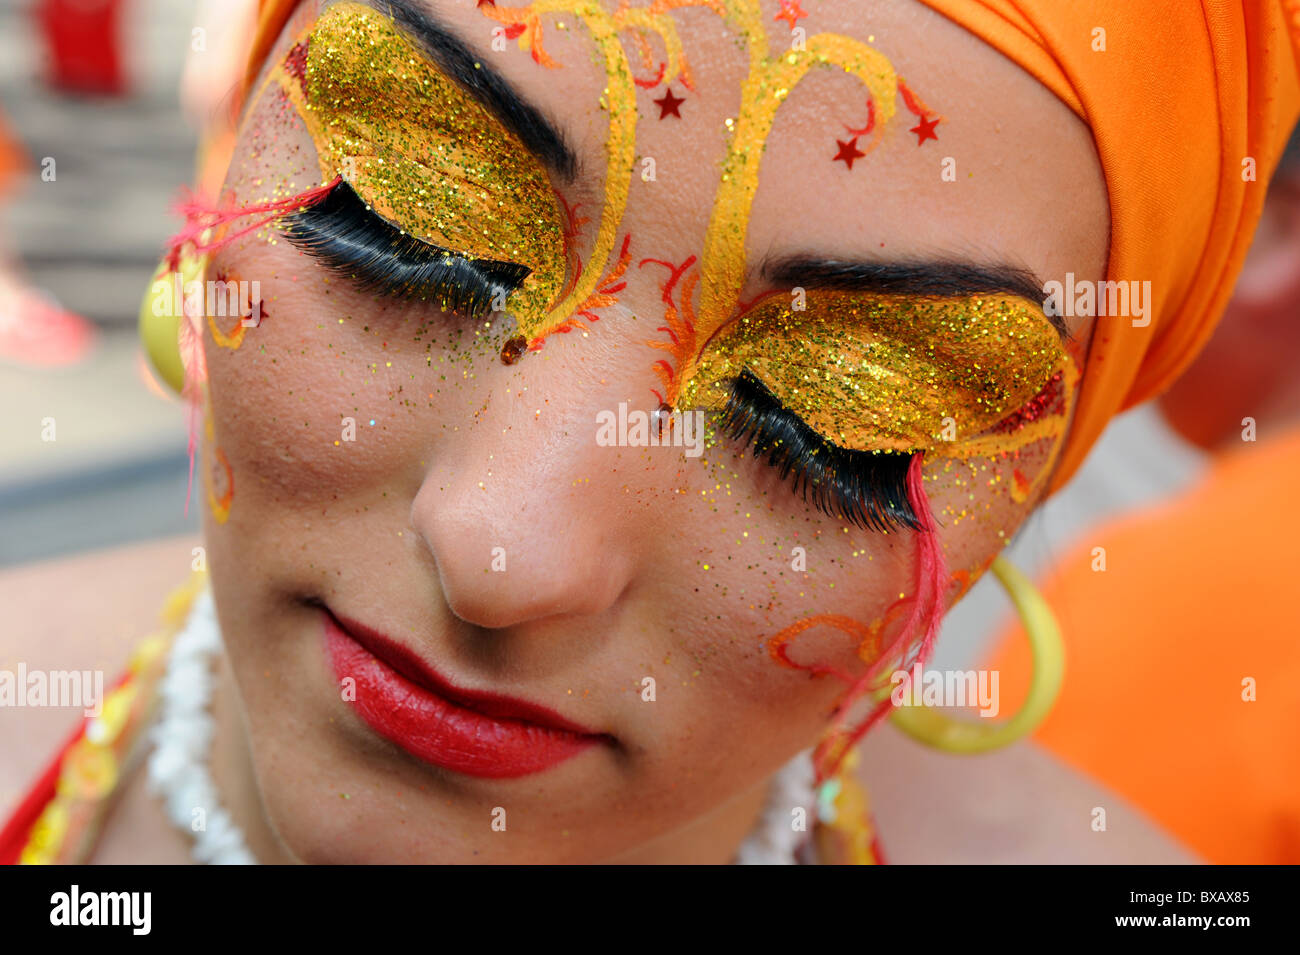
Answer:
[(849, 151), (790, 12), (490, 3), (668, 104), (924, 130)]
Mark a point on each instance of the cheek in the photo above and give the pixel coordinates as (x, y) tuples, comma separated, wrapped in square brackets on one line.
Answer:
[(757, 567), (283, 394), (980, 503), (284, 417), (982, 489), (334, 394), (330, 397), (791, 580)]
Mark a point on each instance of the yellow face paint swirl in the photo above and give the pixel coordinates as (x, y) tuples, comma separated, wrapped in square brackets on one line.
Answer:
[(768, 86), (619, 100), (423, 152), (886, 373), (768, 83)]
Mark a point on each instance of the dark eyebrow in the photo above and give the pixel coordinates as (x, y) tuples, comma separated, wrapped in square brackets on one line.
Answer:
[(455, 59), (937, 279)]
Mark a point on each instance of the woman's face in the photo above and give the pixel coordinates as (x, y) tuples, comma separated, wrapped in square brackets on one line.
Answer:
[(378, 475)]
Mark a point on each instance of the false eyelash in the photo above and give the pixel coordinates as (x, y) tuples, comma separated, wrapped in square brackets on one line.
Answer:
[(354, 241), (866, 488)]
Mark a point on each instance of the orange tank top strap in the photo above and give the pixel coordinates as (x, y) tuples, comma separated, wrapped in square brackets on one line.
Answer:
[(60, 818)]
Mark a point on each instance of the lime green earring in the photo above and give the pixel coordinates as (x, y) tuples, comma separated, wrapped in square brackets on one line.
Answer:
[(967, 736), (160, 318)]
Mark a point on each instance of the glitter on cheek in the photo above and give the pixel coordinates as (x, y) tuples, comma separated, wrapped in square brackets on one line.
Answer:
[(423, 153)]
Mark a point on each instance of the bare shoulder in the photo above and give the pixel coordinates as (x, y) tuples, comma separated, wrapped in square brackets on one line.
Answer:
[(73, 614), (1016, 805)]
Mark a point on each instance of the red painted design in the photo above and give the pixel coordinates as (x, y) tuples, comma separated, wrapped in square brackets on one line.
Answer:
[(295, 63), (573, 225), (1050, 400), (651, 84), (924, 130), (849, 151), (668, 104), (910, 100), (1023, 483), (866, 643), (679, 324), (871, 122), (791, 13), (606, 294)]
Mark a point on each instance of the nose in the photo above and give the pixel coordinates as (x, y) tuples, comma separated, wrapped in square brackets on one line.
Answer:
[(523, 523)]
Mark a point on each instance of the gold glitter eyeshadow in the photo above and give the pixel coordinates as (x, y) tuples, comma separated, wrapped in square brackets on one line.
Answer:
[(875, 373), (423, 153)]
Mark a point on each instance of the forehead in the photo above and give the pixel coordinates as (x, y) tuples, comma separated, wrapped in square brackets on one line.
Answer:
[(1008, 164)]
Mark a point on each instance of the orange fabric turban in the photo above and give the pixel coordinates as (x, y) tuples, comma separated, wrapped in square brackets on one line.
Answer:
[(1180, 99)]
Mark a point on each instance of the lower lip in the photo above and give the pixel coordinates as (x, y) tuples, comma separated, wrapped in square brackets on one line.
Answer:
[(439, 731)]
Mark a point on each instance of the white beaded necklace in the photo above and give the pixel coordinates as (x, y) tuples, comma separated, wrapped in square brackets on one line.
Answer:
[(182, 738), (775, 840)]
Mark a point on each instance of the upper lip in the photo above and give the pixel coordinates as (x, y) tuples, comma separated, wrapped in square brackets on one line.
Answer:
[(415, 668)]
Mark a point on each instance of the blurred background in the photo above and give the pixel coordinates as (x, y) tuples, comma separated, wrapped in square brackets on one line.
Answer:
[(87, 231)]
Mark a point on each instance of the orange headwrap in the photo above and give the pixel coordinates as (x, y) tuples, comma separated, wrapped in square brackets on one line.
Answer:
[(1181, 96)]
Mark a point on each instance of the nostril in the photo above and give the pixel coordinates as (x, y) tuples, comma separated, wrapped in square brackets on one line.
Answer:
[(508, 572)]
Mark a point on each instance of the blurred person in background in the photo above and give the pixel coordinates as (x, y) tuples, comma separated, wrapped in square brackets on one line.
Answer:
[(83, 46)]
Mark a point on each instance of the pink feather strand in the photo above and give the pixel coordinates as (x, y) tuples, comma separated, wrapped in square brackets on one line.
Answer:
[(925, 617)]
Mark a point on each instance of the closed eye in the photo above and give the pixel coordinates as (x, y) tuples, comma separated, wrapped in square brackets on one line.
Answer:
[(866, 488), (352, 240)]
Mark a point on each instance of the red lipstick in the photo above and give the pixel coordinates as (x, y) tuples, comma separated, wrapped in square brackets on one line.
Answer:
[(405, 700)]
